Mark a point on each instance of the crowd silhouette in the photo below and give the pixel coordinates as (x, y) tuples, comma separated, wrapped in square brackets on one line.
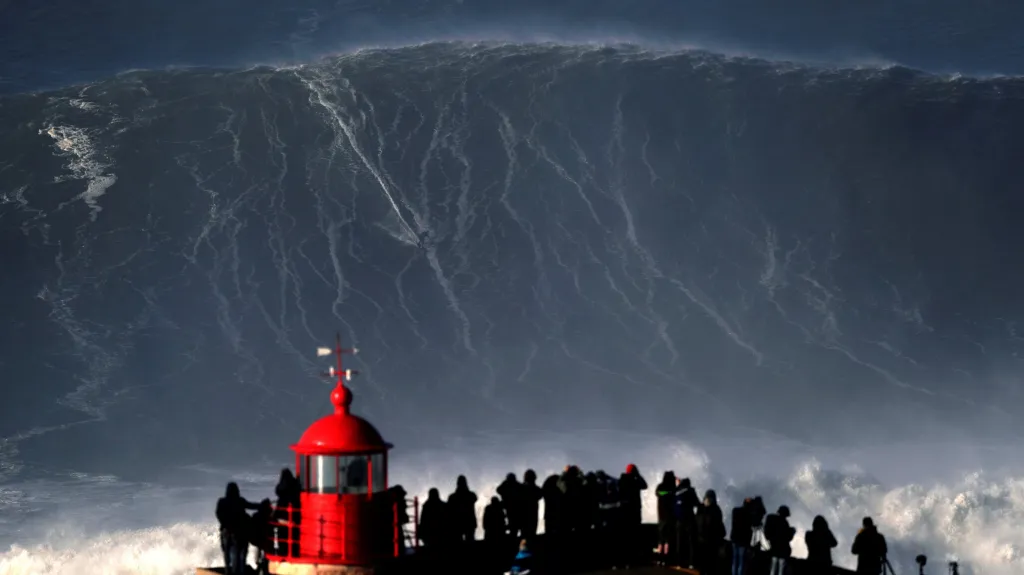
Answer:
[(594, 507)]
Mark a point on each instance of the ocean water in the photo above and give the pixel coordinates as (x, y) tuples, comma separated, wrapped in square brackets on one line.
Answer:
[(779, 278)]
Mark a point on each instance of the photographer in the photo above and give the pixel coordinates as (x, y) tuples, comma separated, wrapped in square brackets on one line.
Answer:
[(870, 548)]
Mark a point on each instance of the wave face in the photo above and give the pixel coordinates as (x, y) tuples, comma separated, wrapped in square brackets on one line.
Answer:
[(518, 237)]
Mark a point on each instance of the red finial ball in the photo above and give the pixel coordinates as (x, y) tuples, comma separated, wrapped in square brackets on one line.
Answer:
[(341, 397)]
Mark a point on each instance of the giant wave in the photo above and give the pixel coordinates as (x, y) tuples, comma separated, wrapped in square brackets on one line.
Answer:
[(518, 237)]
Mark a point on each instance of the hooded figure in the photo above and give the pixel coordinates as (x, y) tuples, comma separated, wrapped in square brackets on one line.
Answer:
[(686, 522), (531, 496), (287, 515), (234, 529), (666, 494), (261, 533), (710, 533), (554, 504), (820, 543), (870, 548), (462, 504), (434, 520), (495, 521), (511, 493), (741, 536), (779, 535)]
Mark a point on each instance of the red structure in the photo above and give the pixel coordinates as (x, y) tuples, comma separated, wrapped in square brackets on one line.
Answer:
[(347, 520)]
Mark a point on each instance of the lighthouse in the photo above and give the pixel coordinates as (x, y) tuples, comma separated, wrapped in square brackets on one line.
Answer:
[(347, 522)]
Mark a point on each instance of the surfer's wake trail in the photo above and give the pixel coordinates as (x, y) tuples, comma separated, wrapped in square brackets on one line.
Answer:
[(518, 237)]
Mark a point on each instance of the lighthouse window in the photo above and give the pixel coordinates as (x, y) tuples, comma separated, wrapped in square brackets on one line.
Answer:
[(322, 474), (354, 473), (379, 471)]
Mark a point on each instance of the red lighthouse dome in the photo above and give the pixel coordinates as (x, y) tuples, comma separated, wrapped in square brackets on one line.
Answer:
[(341, 432)]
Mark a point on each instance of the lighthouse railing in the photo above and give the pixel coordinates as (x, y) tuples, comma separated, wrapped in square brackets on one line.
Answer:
[(337, 533), (416, 522)]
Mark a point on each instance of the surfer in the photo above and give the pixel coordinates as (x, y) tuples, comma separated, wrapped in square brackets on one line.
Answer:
[(423, 240)]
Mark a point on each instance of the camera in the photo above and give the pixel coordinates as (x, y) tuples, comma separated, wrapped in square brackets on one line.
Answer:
[(921, 560)]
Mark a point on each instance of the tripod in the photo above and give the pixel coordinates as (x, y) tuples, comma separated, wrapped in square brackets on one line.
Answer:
[(887, 567)]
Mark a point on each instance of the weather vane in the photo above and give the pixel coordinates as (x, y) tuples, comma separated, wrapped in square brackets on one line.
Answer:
[(341, 397)]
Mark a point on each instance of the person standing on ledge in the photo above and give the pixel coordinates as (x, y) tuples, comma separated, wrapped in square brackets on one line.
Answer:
[(870, 548), (820, 543), (462, 504), (234, 527), (631, 485)]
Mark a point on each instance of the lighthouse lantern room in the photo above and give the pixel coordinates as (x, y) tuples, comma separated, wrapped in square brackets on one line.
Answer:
[(346, 521)]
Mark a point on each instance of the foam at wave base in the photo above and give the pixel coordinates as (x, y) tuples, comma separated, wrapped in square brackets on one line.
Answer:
[(177, 549), (975, 520)]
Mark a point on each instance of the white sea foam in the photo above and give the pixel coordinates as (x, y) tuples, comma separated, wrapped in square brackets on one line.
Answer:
[(84, 162), (975, 519)]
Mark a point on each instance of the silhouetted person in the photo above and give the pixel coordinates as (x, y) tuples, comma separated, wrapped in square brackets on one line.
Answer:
[(288, 513), (757, 513), (631, 484), (666, 497), (524, 559), (570, 483), (759, 561), (495, 522), (741, 534), (434, 521), (820, 543), (870, 548), (554, 523), (511, 493), (261, 533), (531, 496), (462, 504), (234, 526), (686, 522), (710, 534), (779, 535)]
